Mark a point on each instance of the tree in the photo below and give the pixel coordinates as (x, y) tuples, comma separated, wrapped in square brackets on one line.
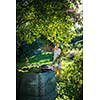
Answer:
[(60, 22), (49, 18)]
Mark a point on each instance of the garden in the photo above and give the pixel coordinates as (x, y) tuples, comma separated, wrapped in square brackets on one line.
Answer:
[(40, 26)]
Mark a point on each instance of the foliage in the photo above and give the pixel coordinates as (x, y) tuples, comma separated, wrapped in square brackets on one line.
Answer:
[(54, 22), (27, 50), (71, 79), (47, 18), (69, 83)]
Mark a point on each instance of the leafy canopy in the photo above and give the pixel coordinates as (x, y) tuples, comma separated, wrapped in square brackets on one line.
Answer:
[(49, 18)]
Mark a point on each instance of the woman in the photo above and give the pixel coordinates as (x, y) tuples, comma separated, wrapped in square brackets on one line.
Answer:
[(57, 59), (57, 52)]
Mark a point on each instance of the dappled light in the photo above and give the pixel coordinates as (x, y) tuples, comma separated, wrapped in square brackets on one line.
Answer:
[(49, 50)]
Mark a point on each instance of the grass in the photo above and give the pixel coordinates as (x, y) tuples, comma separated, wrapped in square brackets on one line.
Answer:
[(42, 58), (39, 59)]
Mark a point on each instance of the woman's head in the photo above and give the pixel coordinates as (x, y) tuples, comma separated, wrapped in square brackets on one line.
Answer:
[(57, 46)]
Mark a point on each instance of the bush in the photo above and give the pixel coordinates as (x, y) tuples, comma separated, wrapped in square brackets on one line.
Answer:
[(71, 80)]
